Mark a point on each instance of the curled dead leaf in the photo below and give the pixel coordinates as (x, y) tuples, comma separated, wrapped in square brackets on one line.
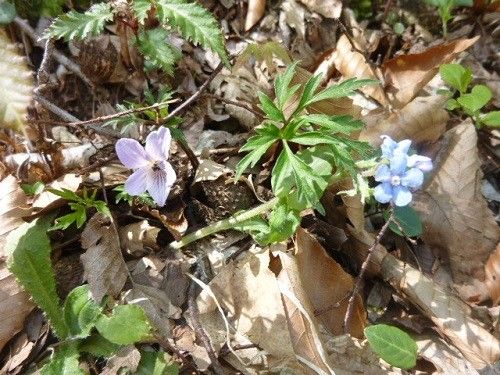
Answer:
[(256, 9)]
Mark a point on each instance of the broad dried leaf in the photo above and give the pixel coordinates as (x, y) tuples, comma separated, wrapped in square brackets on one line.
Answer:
[(352, 63), (454, 213), (449, 313), (103, 263), (327, 8), (492, 271), (329, 301), (128, 357), (15, 304), (256, 9), (422, 120), (303, 328), (69, 181), (16, 85), (136, 236), (408, 74)]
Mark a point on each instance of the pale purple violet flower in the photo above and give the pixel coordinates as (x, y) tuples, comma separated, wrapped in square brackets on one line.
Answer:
[(152, 172), (403, 174)]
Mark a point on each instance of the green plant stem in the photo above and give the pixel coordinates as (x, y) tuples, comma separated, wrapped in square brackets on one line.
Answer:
[(224, 224)]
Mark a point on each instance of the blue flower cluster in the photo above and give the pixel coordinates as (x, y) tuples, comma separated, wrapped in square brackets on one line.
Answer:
[(399, 173)]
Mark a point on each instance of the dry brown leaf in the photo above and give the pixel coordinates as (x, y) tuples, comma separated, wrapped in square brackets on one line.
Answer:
[(450, 314), (330, 300), (408, 74), (127, 357), (327, 8), (249, 292), (256, 9), (15, 304), (103, 263), (69, 181), (454, 213), (422, 120), (134, 237), (492, 271), (447, 359), (352, 63), (299, 311)]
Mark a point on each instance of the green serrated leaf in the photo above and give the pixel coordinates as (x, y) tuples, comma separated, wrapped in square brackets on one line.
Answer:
[(281, 85), (127, 325), (408, 219), (98, 346), (456, 76), (81, 312), (309, 90), (141, 9), (283, 222), (154, 363), (258, 144), (491, 119), (340, 90), (154, 46), (66, 194), (75, 25), (334, 124), (28, 248), (479, 96), (269, 108), (393, 345), (195, 23), (64, 362), (7, 12)]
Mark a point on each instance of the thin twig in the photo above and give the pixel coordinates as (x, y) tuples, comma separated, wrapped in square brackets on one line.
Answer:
[(238, 104), (199, 331), (359, 280), (103, 187), (62, 59), (43, 71), (196, 95)]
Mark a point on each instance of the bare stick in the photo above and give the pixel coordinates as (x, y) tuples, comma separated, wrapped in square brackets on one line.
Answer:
[(359, 280), (196, 95), (238, 104), (62, 59), (199, 331)]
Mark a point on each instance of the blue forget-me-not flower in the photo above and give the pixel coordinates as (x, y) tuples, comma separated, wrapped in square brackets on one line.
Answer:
[(152, 172), (400, 173)]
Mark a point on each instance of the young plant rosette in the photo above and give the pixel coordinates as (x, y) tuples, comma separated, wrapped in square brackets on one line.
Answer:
[(399, 174), (152, 172)]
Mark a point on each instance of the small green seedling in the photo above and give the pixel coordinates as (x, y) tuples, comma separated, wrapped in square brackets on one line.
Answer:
[(470, 101), (79, 206), (445, 8)]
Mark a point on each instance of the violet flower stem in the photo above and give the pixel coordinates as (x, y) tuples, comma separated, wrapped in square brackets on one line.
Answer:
[(364, 267)]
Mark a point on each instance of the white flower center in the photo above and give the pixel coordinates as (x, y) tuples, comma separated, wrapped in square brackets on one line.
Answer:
[(396, 180)]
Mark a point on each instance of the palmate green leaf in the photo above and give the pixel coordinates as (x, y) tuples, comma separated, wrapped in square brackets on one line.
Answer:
[(154, 363), (340, 90), (491, 119), (75, 25), (127, 325), (281, 86), (456, 76), (393, 345), (258, 144), (334, 124), (195, 23), (269, 108), (291, 172), (28, 248), (155, 48), (81, 312), (141, 9), (64, 361), (479, 96)]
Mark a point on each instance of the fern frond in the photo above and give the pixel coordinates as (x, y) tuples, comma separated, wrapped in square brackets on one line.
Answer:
[(195, 23), (75, 25), (16, 85), (141, 9), (155, 48)]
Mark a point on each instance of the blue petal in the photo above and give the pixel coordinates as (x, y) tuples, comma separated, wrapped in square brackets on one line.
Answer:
[(413, 178), (421, 162), (383, 173), (383, 192), (401, 196), (387, 146), (136, 183), (399, 162), (403, 146)]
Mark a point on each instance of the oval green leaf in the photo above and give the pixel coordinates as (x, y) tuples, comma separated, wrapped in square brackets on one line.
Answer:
[(408, 220), (393, 345)]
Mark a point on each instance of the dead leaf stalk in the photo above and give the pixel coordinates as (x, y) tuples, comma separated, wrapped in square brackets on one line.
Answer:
[(364, 267)]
